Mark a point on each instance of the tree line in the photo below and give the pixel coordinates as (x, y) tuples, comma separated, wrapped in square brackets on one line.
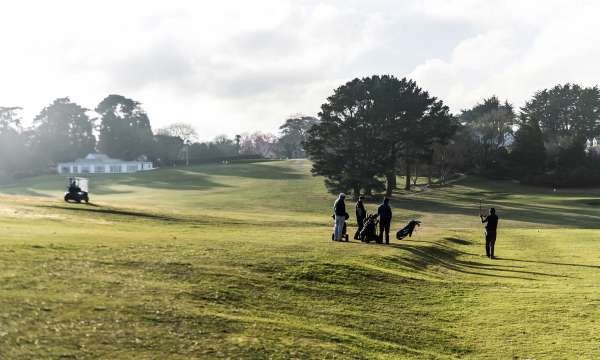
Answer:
[(374, 129), (64, 131)]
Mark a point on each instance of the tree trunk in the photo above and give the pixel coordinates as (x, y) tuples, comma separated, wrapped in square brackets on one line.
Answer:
[(356, 192), (391, 184), (429, 174), (416, 178), (407, 183)]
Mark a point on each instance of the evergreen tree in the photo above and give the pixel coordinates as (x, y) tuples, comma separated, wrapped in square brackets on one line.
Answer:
[(125, 131), (63, 132), (528, 153)]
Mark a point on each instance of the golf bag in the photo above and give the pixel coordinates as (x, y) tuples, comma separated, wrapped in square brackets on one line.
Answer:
[(344, 233), (369, 230), (408, 229)]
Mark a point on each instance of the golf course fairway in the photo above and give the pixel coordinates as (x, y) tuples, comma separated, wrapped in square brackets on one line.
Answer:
[(236, 261)]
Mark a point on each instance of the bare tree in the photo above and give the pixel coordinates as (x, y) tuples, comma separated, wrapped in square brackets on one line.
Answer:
[(185, 131)]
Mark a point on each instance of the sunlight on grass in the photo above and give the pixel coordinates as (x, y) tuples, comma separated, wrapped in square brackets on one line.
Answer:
[(235, 261)]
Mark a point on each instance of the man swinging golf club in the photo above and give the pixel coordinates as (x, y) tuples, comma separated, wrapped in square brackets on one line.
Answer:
[(491, 224)]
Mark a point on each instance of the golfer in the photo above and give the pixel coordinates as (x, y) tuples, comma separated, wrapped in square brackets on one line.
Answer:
[(491, 224), (361, 215), (339, 210), (385, 219)]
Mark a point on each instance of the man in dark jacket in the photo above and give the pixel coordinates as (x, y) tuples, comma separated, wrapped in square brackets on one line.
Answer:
[(491, 224), (361, 215), (385, 219), (339, 210)]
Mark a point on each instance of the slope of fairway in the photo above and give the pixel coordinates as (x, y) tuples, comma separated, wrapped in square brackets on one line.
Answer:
[(235, 261)]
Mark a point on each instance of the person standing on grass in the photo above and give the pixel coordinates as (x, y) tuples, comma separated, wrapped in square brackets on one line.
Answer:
[(491, 224), (361, 214), (339, 210), (385, 219)]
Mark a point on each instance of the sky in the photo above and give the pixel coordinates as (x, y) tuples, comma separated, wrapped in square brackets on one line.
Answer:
[(231, 67)]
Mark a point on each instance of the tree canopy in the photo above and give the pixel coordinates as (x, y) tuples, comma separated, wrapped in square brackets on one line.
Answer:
[(367, 125), (64, 131), (125, 131)]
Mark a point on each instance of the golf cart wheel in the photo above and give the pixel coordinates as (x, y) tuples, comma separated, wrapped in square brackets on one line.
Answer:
[(346, 237), (332, 237)]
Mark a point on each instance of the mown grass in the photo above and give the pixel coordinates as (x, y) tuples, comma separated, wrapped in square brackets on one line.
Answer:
[(235, 261)]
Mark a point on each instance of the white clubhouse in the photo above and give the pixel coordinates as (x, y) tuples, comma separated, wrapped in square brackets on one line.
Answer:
[(102, 164)]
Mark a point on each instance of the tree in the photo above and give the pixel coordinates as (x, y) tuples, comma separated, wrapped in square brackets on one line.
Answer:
[(125, 130), (185, 132), (293, 134), (343, 145), (63, 131), (167, 149), (13, 142), (368, 125), (528, 153), (564, 111), (10, 121), (490, 125), (258, 143)]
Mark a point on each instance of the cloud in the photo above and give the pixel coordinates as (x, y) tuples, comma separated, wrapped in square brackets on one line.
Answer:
[(240, 66)]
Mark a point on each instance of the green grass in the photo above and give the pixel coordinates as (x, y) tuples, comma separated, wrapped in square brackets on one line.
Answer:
[(235, 261)]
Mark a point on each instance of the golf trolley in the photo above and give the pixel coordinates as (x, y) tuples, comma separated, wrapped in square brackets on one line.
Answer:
[(77, 190), (344, 232)]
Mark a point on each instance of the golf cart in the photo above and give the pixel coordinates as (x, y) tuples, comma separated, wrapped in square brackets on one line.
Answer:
[(77, 190)]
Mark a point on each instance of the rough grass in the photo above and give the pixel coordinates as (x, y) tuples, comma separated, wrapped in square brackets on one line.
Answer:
[(234, 261)]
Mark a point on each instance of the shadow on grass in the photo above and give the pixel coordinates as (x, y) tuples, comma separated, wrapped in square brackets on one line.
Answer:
[(95, 209), (511, 202), (551, 263), (446, 257)]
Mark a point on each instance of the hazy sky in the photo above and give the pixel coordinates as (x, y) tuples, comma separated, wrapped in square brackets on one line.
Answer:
[(237, 66)]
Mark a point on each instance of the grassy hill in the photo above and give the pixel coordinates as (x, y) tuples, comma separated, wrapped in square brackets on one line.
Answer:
[(235, 261)]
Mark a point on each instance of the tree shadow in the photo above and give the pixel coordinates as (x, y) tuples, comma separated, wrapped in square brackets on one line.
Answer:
[(552, 263), (458, 241), (260, 170), (447, 258), (512, 201), (96, 209)]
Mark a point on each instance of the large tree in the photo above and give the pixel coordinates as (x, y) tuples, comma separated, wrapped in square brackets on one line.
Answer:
[(345, 145), (368, 125), (63, 131), (125, 131)]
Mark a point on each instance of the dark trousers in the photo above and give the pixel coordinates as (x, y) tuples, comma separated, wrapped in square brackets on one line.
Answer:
[(490, 241), (360, 222), (384, 227)]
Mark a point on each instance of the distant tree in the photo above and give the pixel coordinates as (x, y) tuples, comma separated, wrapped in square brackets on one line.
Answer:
[(238, 140), (293, 134), (125, 130), (13, 142), (258, 143), (184, 131), (10, 121), (528, 154), (63, 131), (490, 124), (167, 149), (564, 111), (223, 146)]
